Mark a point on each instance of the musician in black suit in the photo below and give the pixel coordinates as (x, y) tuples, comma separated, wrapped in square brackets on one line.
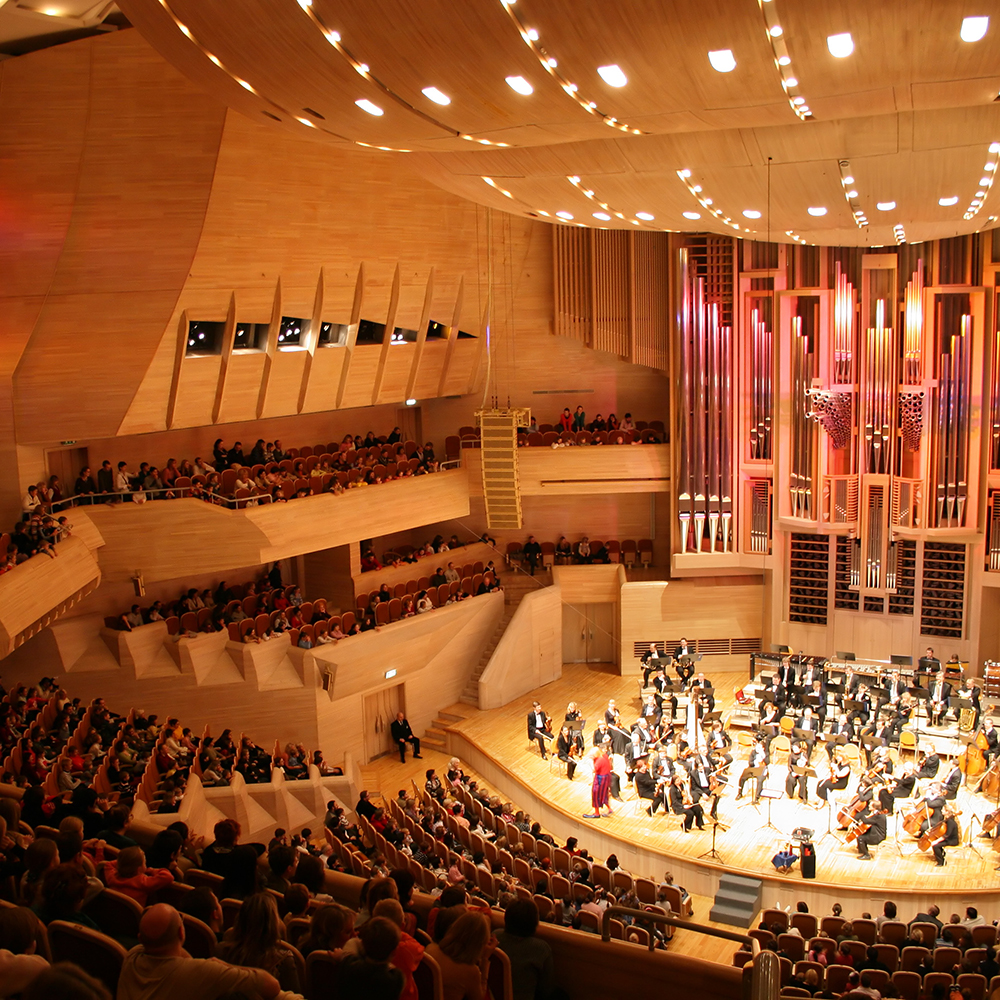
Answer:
[(645, 785), (635, 753), (684, 662), (951, 838), (992, 741), (665, 692), (759, 757), (940, 693), (952, 782), (862, 714), (900, 787), (402, 734), (928, 663), (538, 729), (692, 813), (875, 833), (652, 713), (929, 766), (602, 734), (798, 758), (933, 806), (707, 691), (840, 772), (842, 727), (650, 663), (569, 748)]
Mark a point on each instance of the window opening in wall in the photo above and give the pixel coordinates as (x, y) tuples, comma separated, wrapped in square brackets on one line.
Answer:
[(204, 338)]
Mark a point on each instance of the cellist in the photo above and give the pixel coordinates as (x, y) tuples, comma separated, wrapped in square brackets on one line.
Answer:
[(875, 834)]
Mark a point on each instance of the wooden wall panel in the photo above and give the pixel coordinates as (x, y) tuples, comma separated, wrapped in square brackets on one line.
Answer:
[(239, 402), (196, 392), (283, 385), (589, 584), (396, 374), (325, 378), (713, 608), (428, 378), (361, 379), (529, 653)]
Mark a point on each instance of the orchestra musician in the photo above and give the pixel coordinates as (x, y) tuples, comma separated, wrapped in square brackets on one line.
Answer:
[(573, 713), (798, 758), (770, 716), (952, 782), (940, 693), (933, 806), (707, 691), (842, 727), (635, 753), (968, 691), (863, 713), (538, 728), (602, 734), (904, 711), (613, 717), (875, 833), (652, 713), (650, 663), (992, 741), (719, 744), (759, 757), (951, 838), (684, 662), (929, 663), (645, 786), (928, 765), (665, 692), (682, 804), (569, 748), (893, 689), (900, 787), (840, 772)]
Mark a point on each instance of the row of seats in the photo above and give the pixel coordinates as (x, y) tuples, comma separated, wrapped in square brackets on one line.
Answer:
[(471, 572), (626, 552)]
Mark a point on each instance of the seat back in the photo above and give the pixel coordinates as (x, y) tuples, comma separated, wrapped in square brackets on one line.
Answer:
[(116, 913), (199, 939), (427, 979), (907, 984), (94, 952), (322, 968)]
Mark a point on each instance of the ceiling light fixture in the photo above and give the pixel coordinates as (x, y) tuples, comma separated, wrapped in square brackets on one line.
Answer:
[(722, 60), (532, 33), (705, 202), (847, 180), (776, 31), (840, 45), (520, 85), (852, 194), (816, 210), (751, 213), (692, 215), (372, 109), (995, 147), (946, 202), (565, 215), (645, 216), (782, 60), (885, 206), (973, 28), (613, 75), (435, 95), (603, 216)]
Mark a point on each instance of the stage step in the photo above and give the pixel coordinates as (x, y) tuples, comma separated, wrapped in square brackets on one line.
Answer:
[(737, 901)]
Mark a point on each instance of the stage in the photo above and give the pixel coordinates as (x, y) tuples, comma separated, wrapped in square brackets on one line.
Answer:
[(495, 743)]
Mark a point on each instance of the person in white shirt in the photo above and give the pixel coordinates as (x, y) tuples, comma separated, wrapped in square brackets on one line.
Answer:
[(31, 501), (122, 482), (451, 574)]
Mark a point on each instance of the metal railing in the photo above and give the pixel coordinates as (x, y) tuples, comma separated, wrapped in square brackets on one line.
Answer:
[(764, 981)]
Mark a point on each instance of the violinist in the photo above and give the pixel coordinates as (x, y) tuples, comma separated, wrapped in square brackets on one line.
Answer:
[(665, 692), (569, 748), (635, 753), (719, 744), (760, 757), (682, 804), (904, 710), (840, 773), (538, 728), (613, 717), (798, 758), (875, 834), (573, 713), (645, 786), (602, 734), (928, 765), (900, 787)]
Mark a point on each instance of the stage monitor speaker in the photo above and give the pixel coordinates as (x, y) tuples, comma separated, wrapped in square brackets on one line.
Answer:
[(808, 860)]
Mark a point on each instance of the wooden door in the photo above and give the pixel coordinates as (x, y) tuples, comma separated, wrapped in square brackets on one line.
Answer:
[(378, 711)]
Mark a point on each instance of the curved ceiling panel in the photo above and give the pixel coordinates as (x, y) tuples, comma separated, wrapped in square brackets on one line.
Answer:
[(895, 99)]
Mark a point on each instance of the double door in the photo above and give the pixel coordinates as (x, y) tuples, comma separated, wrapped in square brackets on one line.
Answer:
[(589, 633)]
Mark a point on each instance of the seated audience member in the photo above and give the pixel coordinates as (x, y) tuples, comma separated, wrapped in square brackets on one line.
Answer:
[(160, 967), (67, 981), (64, 891), (531, 965), (330, 929), (365, 969), (128, 874), (114, 833), (408, 952), (235, 862), (255, 941), (19, 964), (463, 954)]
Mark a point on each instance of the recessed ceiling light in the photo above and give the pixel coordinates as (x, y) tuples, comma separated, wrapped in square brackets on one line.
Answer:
[(551, 62), (372, 109), (692, 215), (848, 180), (685, 173), (603, 216), (645, 216), (532, 33), (945, 202), (985, 181), (245, 85), (777, 31), (613, 75), (885, 206), (565, 215), (722, 60), (784, 60), (519, 84), (816, 210), (995, 147), (305, 3), (798, 100), (841, 45), (852, 194), (973, 28), (435, 95), (791, 82), (751, 213), (989, 166)]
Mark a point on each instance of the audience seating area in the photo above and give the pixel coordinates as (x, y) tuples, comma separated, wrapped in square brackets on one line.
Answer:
[(627, 552)]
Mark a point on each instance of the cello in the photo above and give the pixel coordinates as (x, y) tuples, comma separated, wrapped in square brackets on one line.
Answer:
[(858, 828), (926, 840), (989, 784), (972, 760)]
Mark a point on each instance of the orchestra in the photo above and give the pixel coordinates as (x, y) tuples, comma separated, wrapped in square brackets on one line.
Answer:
[(677, 753)]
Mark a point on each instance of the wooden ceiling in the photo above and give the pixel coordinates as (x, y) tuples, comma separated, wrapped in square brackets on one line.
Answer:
[(913, 110)]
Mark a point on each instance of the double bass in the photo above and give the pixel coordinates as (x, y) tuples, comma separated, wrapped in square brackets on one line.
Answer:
[(989, 784), (972, 760)]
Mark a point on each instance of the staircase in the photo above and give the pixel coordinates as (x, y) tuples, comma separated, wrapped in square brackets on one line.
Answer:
[(737, 901), (515, 585), (435, 736)]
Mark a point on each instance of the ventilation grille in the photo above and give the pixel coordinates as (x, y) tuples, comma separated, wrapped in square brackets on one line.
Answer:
[(901, 603), (942, 603), (809, 579), (844, 599), (706, 647)]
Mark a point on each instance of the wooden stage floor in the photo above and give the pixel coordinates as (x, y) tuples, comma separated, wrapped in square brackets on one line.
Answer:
[(749, 843)]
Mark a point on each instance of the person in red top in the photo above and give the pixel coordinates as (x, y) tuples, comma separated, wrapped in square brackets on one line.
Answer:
[(600, 790), (408, 952), (129, 875), (566, 420)]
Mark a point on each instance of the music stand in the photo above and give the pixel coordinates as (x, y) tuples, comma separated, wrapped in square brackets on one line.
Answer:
[(833, 739), (807, 772), (710, 717), (756, 774), (919, 694), (829, 832), (850, 705), (901, 661), (712, 852), (846, 657), (575, 726), (808, 735), (770, 794)]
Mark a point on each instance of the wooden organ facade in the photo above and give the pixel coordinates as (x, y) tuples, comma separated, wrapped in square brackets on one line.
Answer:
[(836, 430)]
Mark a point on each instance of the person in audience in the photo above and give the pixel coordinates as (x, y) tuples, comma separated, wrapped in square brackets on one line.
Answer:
[(159, 967), (332, 926), (255, 941), (365, 969), (463, 954), (408, 952), (19, 963), (204, 905), (281, 861), (235, 862), (63, 894), (531, 964), (129, 875)]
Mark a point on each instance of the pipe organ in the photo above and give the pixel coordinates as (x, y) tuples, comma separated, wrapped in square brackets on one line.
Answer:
[(827, 406)]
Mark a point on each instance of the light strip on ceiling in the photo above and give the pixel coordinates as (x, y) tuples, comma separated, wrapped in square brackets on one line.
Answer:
[(985, 182), (550, 64), (900, 233), (798, 239), (847, 182), (589, 193), (707, 203), (782, 60)]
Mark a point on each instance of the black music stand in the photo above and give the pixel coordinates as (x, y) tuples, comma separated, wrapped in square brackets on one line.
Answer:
[(712, 852), (806, 735), (575, 726), (756, 774), (770, 794), (833, 740), (846, 657), (808, 772), (919, 694)]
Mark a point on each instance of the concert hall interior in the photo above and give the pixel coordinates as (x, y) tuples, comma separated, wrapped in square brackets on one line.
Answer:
[(595, 404)]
